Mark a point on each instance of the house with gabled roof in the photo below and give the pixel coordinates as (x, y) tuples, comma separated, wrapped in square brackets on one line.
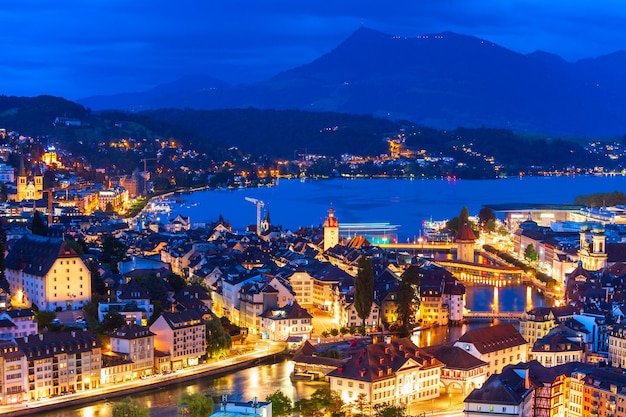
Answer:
[(288, 322), (462, 371), (388, 373), (48, 273), (498, 345), (78, 353), (13, 373), (182, 335), (137, 344), (131, 300)]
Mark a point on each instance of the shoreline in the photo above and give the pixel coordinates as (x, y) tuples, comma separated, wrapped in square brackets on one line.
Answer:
[(213, 369)]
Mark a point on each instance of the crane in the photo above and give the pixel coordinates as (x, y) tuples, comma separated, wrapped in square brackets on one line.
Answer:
[(259, 206), (145, 174)]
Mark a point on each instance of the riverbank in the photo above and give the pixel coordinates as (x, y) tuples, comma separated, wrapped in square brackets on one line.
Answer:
[(265, 353)]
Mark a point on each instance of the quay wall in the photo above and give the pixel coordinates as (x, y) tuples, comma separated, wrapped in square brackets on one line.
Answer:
[(150, 383)]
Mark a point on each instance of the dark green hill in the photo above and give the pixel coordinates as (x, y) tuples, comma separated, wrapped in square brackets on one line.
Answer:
[(284, 133)]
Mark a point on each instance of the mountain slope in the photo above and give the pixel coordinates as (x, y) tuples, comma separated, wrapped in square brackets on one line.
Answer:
[(441, 80)]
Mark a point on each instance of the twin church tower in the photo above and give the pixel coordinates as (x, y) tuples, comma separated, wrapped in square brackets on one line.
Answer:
[(29, 185)]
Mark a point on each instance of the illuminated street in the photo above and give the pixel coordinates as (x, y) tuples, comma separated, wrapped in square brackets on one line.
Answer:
[(261, 350)]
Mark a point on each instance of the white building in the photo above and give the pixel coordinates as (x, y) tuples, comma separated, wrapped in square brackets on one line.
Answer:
[(48, 273)]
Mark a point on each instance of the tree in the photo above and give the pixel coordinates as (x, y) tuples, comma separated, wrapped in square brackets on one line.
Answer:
[(217, 339), (198, 404), (113, 320), (130, 408), (454, 224), (407, 300), (364, 288), (530, 253), (176, 281), (44, 319), (362, 405), (38, 225), (389, 411), (281, 404), (113, 251), (485, 214)]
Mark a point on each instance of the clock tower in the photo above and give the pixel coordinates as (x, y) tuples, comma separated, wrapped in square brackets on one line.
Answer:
[(331, 230)]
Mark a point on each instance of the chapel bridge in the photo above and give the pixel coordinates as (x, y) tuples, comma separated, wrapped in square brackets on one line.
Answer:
[(490, 315)]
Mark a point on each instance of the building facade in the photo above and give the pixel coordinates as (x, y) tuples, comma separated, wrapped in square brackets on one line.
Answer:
[(48, 273)]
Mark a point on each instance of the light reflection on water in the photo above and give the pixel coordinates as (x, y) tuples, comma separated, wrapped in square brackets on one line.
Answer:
[(244, 385), (260, 381)]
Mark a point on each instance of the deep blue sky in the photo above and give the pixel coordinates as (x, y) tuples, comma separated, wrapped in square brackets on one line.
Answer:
[(78, 48)]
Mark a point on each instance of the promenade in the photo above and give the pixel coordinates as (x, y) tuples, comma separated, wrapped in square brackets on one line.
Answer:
[(260, 351)]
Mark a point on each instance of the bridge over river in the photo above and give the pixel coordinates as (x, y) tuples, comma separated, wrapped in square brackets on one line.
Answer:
[(490, 315)]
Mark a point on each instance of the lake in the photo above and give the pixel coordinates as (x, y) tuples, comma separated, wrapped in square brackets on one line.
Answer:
[(403, 202)]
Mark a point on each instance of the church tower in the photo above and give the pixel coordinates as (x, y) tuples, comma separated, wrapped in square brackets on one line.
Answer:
[(29, 187), (465, 244), (592, 252), (38, 179), (22, 180), (331, 230)]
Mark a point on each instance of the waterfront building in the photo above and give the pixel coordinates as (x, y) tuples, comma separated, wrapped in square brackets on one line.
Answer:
[(454, 298), (136, 343), (115, 369), (13, 374), (331, 230), (288, 322), (315, 361), (182, 335), (465, 241), (48, 273), (61, 362), (388, 373), (497, 345)]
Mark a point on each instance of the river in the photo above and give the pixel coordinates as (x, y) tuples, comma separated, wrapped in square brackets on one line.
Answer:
[(263, 380)]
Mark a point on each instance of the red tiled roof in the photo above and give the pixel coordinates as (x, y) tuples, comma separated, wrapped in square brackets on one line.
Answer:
[(466, 233), (494, 338)]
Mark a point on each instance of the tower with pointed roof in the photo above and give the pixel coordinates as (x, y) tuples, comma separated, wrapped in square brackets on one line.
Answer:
[(465, 244), (29, 187), (331, 230)]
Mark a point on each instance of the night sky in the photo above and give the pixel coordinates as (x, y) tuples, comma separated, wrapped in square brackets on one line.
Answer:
[(79, 48)]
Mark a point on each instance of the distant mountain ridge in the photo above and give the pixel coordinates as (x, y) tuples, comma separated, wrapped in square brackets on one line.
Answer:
[(441, 80)]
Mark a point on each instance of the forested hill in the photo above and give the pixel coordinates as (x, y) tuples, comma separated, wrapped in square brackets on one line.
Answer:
[(285, 133)]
